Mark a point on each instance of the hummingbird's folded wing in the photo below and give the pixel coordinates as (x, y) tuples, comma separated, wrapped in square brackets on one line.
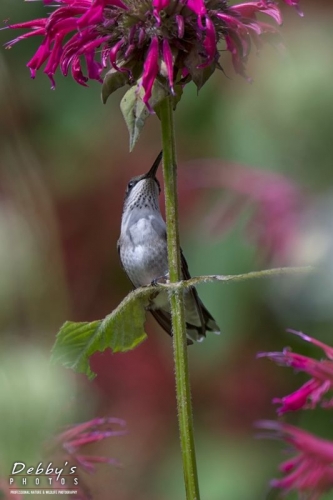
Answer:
[(201, 330), (206, 319), (163, 318), (202, 319)]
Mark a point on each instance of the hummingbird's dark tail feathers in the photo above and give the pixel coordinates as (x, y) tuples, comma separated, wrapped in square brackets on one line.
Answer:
[(210, 323), (206, 320), (163, 318), (195, 333), (198, 319)]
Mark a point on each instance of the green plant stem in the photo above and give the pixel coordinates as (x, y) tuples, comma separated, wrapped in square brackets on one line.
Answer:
[(145, 292), (176, 297), (227, 278)]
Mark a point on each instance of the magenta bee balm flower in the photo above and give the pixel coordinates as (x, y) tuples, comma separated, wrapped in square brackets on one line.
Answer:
[(142, 42), (310, 471), (71, 440), (70, 447), (321, 372)]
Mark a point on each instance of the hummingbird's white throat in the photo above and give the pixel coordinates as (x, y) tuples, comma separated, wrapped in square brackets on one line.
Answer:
[(141, 201)]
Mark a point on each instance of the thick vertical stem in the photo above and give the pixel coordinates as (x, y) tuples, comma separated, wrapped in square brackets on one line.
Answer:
[(183, 391)]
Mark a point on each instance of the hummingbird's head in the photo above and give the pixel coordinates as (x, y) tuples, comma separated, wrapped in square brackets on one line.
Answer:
[(143, 191)]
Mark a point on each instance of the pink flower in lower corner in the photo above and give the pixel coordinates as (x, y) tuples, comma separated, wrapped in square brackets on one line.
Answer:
[(70, 445), (321, 371), (7, 492), (74, 438), (140, 39), (310, 471)]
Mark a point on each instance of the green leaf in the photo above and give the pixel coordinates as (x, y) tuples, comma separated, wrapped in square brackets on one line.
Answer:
[(121, 331), (205, 73), (199, 74), (178, 95), (113, 80), (135, 113), (134, 110), (158, 93)]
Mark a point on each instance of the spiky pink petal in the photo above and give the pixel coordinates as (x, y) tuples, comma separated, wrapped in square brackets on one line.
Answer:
[(250, 9), (308, 396), (54, 59), (197, 6), (294, 3), (180, 25), (210, 41), (39, 31), (77, 73), (168, 59), (113, 56), (150, 70), (34, 24), (326, 348), (40, 57), (160, 4), (96, 423)]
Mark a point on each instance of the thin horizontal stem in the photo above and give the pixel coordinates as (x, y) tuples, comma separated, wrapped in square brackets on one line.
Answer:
[(267, 273), (280, 272)]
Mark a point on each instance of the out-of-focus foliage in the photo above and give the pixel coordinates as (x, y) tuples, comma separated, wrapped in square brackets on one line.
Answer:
[(64, 165), (30, 411)]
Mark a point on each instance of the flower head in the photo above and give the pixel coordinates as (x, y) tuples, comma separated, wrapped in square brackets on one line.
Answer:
[(172, 41), (310, 472), (321, 372)]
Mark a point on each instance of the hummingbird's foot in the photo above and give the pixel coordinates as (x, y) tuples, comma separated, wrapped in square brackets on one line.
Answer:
[(161, 280)]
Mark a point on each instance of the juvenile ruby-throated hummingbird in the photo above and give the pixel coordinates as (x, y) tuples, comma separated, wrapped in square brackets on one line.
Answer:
[(142, 248)]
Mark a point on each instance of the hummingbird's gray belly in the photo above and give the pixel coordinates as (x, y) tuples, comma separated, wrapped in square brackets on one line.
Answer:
[(144, 256), (144, 264)]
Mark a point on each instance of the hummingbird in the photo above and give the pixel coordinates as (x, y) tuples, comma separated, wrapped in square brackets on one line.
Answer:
[(142, 248)]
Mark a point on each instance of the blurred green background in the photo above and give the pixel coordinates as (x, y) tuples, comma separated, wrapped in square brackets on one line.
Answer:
[(255, 184)]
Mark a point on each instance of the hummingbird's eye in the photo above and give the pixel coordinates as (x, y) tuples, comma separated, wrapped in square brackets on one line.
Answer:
[(130, 185)]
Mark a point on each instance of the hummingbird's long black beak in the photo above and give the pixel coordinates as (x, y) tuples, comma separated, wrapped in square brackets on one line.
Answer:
[(152, 172)]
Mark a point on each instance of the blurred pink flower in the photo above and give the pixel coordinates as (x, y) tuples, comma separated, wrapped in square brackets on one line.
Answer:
[(7, 492), (169, 40), (274, 202), (310, 472), (311, 393), (76, 436), (68, 447), (294, 3)]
